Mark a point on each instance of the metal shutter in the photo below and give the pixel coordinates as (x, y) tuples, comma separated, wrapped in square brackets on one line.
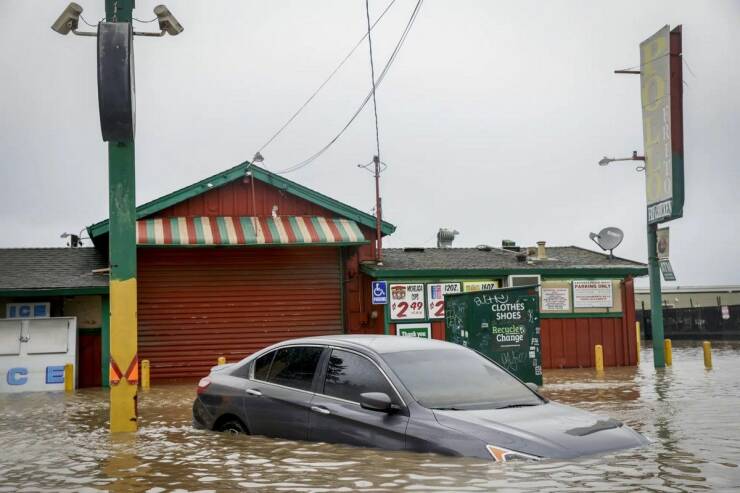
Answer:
[(197, 304)]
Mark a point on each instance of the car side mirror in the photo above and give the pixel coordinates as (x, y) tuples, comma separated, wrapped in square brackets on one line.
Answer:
[(376, 401)]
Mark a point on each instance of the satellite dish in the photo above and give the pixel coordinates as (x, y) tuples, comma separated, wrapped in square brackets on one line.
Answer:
[(608, 238)]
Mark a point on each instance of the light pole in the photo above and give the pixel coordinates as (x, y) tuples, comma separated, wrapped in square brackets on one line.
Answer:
[(656, 305), (117, 117)]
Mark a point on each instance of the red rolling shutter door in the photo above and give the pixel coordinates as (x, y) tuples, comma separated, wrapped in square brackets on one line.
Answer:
[(197, 304)]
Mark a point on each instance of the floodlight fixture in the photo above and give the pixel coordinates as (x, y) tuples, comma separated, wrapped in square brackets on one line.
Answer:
[(167, 22), (68, 20), (605, 161), (258, 158)]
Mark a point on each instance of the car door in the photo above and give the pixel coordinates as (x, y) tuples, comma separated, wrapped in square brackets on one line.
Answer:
[(336, 415), (279, 391)]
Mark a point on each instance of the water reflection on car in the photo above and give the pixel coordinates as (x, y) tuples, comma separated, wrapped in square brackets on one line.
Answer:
[(398, 393)]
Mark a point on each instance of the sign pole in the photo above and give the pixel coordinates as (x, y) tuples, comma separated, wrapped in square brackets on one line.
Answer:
[(656, 303), (122, 255)]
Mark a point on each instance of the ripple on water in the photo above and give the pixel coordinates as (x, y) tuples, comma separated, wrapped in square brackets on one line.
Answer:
[(58, 442)]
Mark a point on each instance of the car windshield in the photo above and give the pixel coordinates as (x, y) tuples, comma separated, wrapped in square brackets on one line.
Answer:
[(458, 379)]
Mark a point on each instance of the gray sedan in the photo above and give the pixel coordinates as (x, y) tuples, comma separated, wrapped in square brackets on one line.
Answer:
[(398, 393)]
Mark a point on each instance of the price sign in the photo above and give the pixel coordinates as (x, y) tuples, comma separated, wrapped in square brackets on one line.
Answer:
[(407, 301), (436, 297)]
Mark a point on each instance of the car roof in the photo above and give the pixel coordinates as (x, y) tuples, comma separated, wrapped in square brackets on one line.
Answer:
[(378, 343)]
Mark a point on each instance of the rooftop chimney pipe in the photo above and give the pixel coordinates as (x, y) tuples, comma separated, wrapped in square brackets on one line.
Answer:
[(541, 253)]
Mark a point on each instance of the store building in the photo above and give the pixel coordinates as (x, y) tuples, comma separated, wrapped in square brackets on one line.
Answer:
[(247, 258), (586, 298)]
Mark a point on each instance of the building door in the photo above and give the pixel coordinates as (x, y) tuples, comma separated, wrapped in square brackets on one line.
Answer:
[(198, 304), (89, 360)]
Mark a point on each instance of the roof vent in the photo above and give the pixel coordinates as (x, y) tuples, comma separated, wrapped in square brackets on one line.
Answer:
[(413, 249), (541, 252), (510, 245), (484, 248), (445, 237)]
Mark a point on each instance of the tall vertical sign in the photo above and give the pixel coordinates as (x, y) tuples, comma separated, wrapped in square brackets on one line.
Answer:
[(662, 124), (661, 91)]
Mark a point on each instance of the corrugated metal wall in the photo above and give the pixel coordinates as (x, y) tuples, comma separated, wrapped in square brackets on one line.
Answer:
[(200, 303)]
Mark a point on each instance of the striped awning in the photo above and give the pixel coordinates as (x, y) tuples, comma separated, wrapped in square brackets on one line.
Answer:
[(231, 230)]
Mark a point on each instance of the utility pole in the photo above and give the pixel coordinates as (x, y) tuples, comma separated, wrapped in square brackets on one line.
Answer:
[(122, 256), (656, 303), (378, 213), (116, 103)]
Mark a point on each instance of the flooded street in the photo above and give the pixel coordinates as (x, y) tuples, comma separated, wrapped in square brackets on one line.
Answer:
[(54, 441)]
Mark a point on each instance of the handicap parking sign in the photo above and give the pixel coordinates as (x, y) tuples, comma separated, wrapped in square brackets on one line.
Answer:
[(380, 292)]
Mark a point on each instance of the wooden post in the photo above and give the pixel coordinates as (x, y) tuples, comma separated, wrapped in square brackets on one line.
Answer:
[(668, 352), (69, 377), (707, 346), (599, 353), (145, 372)]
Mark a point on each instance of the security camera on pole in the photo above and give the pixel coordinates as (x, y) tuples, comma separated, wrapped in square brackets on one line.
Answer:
[(116, 103)]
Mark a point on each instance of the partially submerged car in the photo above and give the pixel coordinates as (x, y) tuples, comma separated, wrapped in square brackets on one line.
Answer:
[(399, 393)]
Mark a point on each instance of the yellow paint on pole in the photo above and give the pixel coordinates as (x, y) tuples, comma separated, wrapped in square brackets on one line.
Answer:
[(599, 353), (707, 355), (123, 335), (637, 339), (145, 374), (221, 360), (69, 377), (668, 345)]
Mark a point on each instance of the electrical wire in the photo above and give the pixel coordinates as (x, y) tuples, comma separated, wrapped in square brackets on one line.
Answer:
[(85, 21), (379, 80), (372, 77), (144, 22), (318, 89)]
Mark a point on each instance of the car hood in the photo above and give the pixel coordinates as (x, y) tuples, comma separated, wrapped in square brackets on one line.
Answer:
[(549, 430)]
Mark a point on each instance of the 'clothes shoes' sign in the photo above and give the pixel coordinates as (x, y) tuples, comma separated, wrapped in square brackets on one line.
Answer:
[(503, 324)]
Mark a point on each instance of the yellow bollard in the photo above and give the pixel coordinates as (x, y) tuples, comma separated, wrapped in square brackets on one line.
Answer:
[(221, 360), (637, 327), (668, 345), (707, 355), (599, 357), (145, 372), (69, 377)]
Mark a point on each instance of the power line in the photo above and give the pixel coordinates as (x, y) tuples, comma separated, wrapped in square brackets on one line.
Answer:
[(372, 76), (318, 89), (379, 80)]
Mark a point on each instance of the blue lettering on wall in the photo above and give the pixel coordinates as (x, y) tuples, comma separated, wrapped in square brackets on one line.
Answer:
[(17, 376), (54, 374)]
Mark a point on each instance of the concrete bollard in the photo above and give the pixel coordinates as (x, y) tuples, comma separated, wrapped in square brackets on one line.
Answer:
[(145, 374), (221, 360), (668, 346), (599, 353), (69, 377), (707, 355), (637, 329)]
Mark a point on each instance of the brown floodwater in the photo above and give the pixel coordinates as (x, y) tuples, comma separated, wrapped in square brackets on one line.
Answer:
[(59, 442)]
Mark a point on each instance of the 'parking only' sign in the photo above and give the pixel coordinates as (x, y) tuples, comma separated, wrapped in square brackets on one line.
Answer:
[(380, 292)]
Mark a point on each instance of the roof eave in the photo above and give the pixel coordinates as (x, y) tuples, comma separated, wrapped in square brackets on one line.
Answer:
[(220, 179), (56, 291), (619, 271)]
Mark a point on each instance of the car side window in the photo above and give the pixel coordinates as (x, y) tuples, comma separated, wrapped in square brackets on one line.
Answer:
[(295, 366), (348, 375), (262, 366)]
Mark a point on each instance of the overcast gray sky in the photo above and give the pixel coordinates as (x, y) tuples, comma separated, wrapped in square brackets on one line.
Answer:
[(492, 119)]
